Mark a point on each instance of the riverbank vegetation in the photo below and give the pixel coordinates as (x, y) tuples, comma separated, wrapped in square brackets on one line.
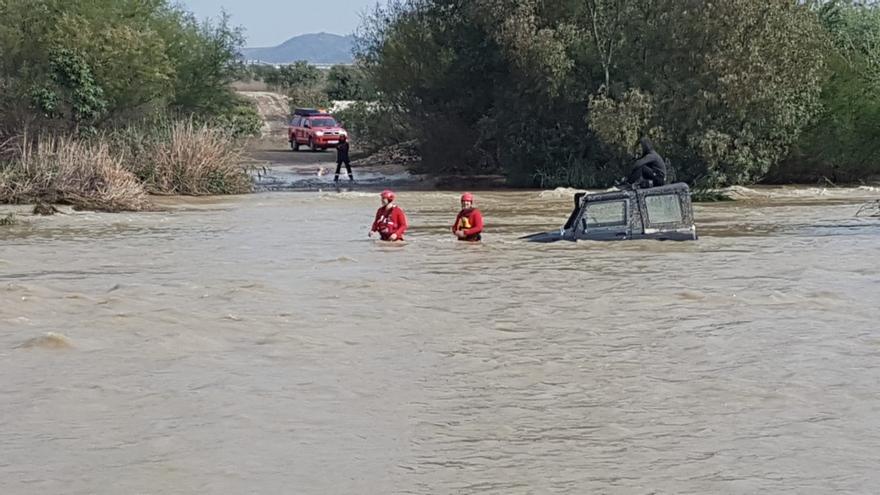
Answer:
[(106, 100), (8, 220), (308, 86), (556, 93)]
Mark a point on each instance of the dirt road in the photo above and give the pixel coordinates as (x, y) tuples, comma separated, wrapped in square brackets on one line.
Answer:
[(277, 167)]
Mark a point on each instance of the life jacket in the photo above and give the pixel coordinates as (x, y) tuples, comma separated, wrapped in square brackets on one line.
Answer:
[(390, 221), (463, 222), (386, 223)]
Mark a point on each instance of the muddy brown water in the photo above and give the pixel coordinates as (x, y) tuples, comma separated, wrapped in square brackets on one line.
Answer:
[(262, 344)]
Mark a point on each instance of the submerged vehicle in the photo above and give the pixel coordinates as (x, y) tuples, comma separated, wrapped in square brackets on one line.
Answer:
[(662, 213)]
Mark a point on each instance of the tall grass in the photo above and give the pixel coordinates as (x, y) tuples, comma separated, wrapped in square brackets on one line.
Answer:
[(183, 157), (115, 171), (61, 169)]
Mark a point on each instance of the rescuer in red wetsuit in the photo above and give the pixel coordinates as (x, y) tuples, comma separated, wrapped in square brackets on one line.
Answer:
[(469, 223), (390, 220)]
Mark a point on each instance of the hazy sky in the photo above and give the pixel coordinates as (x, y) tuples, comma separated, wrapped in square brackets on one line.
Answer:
[(270, 22)]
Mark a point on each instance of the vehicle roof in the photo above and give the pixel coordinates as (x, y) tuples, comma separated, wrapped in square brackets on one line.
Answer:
[(676, 188)]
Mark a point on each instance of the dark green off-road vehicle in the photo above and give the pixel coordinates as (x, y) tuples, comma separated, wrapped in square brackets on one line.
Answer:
[(662, 213)]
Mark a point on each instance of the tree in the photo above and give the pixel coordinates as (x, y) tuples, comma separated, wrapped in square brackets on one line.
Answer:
[(841, 145), (101, 63), (540, 89), (73, 95), (346, 82), (296, 75), (605, 25)]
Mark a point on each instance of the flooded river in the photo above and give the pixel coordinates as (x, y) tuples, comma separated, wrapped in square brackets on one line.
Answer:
[(262, 344)]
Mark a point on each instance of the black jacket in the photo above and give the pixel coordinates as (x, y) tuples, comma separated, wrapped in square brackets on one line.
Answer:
[(651, 159), (342, 152)]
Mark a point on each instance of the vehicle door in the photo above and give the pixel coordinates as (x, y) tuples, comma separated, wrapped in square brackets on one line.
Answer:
[(306, 129), (666, 215), (294, 127), (604, 219)]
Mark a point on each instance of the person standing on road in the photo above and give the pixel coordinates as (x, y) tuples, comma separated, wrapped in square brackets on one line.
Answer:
[(468, 224), (390, 220), (342, 157)]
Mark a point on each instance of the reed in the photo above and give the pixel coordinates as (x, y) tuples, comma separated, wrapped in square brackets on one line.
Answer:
[(182, 157), (84, 173)]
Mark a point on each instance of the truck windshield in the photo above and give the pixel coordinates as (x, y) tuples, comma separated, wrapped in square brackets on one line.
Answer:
[(323, 122)]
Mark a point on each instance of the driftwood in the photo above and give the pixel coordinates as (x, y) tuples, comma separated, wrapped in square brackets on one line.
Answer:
[(400, 154), (41, 208), (870, 209)]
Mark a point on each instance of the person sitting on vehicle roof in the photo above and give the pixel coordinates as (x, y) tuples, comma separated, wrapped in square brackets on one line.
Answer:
[(649, 170), (342, 157), (390, 220), (468, 224)]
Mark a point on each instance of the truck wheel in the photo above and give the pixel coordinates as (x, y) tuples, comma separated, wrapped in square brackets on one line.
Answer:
[(294, 145), (312, 145)]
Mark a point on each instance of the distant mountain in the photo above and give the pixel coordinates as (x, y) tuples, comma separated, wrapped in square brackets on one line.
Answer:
[(320, 48)]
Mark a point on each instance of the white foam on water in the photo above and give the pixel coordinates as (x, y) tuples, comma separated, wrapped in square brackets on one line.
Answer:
[(559, 192), (50, 340)]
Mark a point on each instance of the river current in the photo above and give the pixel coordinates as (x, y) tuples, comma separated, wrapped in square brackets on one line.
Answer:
[(263, 344)]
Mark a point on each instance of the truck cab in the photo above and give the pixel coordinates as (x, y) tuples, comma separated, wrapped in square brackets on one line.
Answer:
[(662, 213)]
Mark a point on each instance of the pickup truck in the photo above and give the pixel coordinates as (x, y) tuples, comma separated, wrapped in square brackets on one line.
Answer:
[(316, 129)]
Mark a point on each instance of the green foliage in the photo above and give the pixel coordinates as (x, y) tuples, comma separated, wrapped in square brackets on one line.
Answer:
[(75, 72), (308, 97), (842, 144), (240, 118), (557, 92), (257, 72), (303, 83), (346, 82), (620, 123), (373, 126), (73, 95), (206, 65), (94, 64), (294, 76)]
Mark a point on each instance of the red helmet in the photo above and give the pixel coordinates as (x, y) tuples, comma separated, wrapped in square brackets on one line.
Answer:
[(388, 194), (467, 197)]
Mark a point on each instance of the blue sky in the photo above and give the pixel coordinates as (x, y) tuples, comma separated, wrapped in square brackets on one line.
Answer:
[(270, 22)]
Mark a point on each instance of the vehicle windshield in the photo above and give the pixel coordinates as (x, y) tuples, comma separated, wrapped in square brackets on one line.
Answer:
[(323, 122)]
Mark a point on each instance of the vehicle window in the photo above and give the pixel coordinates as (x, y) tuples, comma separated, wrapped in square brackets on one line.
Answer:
[(663, 209), (323, 122), (296, 121), (605, 214)]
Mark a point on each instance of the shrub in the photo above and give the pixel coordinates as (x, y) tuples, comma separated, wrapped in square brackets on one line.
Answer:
[(184, 157), (308, 96), (240, 119), (84, 173), (373, 126)]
